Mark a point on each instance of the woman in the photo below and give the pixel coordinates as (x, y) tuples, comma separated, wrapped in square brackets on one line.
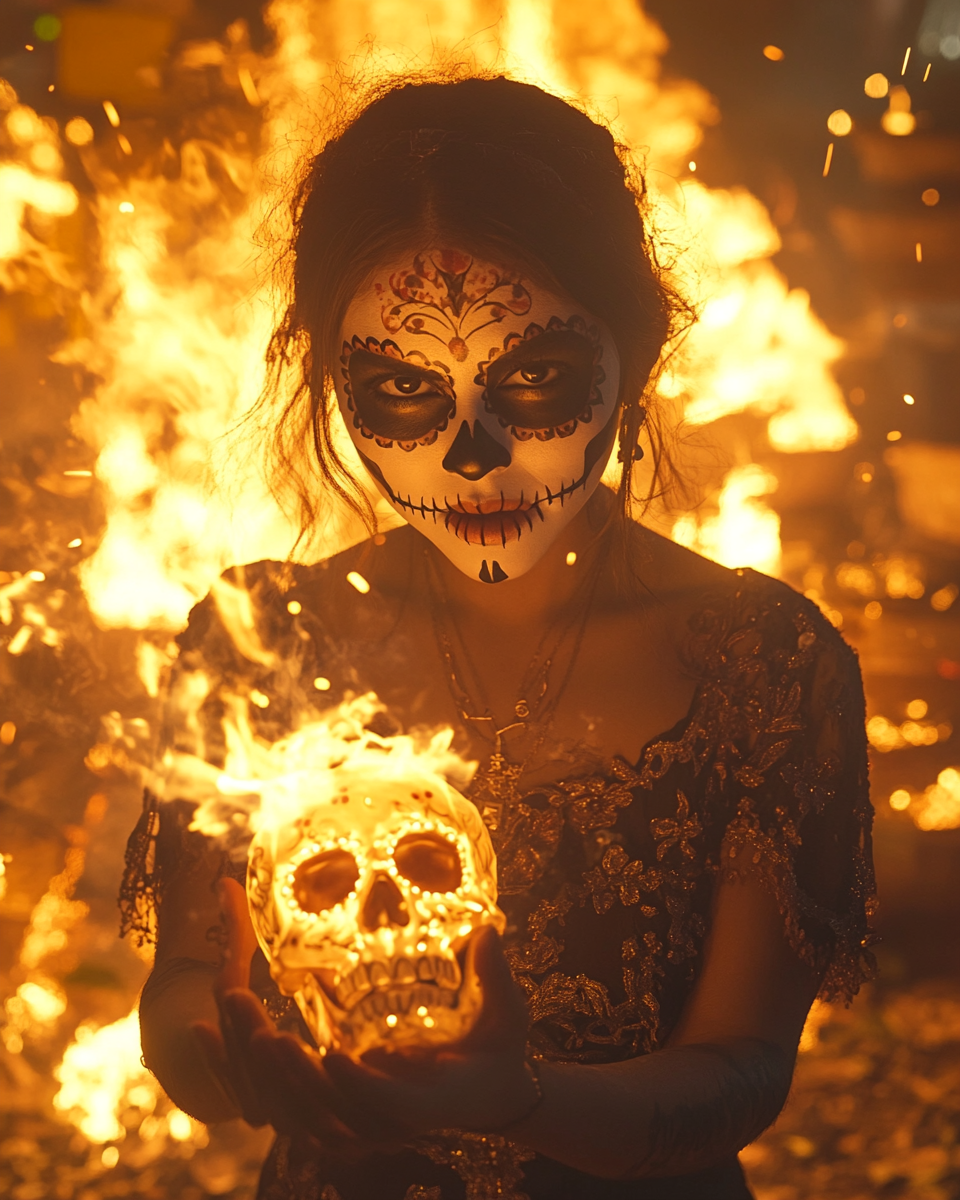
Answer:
[(673, 757)]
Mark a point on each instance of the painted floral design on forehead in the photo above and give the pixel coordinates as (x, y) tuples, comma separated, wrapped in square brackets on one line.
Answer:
[(447, 296), (410, 416), (573, 350)]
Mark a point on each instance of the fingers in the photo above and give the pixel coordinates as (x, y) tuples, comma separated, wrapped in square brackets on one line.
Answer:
[(227, 1074), (241, 940), (300, 1095), (278, 1081), (503, 1017), (369, 1096), (227, 1050)]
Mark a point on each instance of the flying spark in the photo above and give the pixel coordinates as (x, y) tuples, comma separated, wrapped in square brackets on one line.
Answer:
[(355, 579)]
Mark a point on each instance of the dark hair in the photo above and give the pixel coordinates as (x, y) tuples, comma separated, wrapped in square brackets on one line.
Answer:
[(487, 164)]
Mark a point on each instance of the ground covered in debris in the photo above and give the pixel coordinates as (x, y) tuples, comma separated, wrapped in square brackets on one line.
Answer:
[(875, 1105)]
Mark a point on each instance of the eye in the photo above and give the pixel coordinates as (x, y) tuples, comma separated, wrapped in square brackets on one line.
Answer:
[(538, 373), (403, 385), (429, 861), (325, 880)]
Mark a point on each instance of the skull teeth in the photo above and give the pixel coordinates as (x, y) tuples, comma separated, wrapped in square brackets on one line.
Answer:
[(399, 977), (401, 1001)]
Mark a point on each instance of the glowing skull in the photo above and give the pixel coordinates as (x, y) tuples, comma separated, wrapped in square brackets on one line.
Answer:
[(364, 905)]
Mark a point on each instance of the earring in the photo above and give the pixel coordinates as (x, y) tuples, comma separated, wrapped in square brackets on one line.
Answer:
[(639, 451)]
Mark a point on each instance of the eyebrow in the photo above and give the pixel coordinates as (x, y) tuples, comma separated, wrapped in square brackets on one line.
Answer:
[(525, 348), (392, 366)]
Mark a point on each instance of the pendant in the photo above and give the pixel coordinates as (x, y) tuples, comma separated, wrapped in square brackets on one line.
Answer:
[(494, 787)]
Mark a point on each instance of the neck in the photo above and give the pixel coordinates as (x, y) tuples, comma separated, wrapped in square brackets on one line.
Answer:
[(548, 586)]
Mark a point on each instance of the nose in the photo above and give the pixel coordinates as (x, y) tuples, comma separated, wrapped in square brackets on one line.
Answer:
[(384, 905), (474, 455)]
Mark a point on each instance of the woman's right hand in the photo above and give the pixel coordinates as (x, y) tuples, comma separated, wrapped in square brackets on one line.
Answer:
[(246, 1050)]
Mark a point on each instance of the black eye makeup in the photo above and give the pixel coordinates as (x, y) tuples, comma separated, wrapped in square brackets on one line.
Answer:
[(408, 400), (545, 381)]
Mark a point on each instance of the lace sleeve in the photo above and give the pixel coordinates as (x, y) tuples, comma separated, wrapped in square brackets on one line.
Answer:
[(239, 638), (139, 885), (158, 849), (799, 791)]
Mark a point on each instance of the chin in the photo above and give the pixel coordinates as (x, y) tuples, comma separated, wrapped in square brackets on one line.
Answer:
[(493, 547)]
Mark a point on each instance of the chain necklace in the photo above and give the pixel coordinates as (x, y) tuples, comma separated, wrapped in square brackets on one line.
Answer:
[(496, 784)]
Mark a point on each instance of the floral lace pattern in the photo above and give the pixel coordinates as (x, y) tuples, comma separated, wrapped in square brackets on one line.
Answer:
[(607, 879)]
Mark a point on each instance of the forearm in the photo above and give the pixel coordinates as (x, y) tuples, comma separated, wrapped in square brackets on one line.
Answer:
[(178, 993), (677, 1110)]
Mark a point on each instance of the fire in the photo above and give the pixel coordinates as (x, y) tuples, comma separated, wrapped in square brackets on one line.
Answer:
[(30, 184), (745, 532), (32, 1012), (885, 735), (105, 1090), (262, 783), (757, 346), (937, 806)]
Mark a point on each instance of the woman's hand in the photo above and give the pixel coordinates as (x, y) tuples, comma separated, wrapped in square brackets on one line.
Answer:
[(479, 1083), (271, 1076)]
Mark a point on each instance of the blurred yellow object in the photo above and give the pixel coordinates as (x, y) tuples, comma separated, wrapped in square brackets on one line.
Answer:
[(840, 122), (927, 476), (900, 799), (78, 131), (941, 803), (917, 710), (942, 599), (107, 51), (774, 53), (898, 120), (876, 86)]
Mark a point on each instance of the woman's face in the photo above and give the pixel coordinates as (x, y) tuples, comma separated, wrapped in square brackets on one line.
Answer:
[(482, 404)]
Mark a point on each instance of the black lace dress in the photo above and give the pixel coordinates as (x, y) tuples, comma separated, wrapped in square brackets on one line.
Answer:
[(606, 878)]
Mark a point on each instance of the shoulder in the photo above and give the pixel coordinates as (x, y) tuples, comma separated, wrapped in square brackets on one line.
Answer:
[(264, 596), (732, 621)]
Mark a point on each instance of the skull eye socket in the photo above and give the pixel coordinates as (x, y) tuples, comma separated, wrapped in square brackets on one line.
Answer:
[(325, 880), (429, 861)]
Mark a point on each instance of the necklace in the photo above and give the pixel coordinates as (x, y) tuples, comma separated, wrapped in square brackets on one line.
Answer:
[(496, 785)]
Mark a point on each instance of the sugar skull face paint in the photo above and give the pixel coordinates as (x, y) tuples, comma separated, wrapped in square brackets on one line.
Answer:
[(483, 405)]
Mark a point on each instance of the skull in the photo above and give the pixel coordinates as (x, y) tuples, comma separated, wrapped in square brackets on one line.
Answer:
[(364, 905)]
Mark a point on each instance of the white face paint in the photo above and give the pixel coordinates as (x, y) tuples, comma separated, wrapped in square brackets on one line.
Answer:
[(483, 406)]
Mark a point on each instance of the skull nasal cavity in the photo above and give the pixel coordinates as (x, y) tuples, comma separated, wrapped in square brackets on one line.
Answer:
[(384, 905), (324, 880), (474, 455), (429, 861)]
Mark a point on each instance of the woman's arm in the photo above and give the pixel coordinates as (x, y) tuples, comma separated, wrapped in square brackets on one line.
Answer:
[(722, 1080), (180, 992)]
